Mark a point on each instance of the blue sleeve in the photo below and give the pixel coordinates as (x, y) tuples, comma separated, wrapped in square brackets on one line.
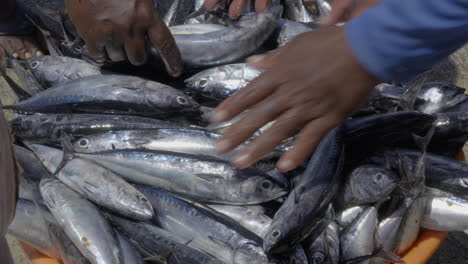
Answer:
[(399, 39)]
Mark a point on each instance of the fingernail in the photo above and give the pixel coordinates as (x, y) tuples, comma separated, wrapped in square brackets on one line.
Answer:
[(285, 165), (254, 59), (15, 55), (39, 53), (219, 116), (27, 55), (223, 145), (241, 160)]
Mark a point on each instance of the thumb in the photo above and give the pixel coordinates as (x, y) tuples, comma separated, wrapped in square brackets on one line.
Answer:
[(262, 61)]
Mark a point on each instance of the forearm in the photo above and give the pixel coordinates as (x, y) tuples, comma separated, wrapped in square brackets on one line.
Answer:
[(397, 40), (8, 8)]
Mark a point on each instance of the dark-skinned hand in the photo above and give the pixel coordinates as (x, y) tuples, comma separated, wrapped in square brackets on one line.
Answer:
[(310, 86), (237, 6), (119, 30)]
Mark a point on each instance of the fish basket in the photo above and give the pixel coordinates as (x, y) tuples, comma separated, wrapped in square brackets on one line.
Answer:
[(421, 251)]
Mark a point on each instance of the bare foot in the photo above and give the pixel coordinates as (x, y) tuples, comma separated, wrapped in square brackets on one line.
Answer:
[(20, 47)]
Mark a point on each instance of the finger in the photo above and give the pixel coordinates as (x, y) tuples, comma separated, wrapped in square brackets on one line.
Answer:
[(115, 50), (283, 128), (236, 8), (163, 41), (136, 50), (211, 4), (261, 5), (96, 50), (253, 93), (267, 110), (306, 141), (338, 12), (31, 47)]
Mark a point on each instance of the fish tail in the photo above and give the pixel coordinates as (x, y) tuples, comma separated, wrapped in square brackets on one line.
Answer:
[(423, 142), (408, 99), (381, 253)]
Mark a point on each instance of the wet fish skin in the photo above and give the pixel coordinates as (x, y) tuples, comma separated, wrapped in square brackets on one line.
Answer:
[(451, 127), (54, 70), (29, 226), (82, 222), (223, 81), (195, 28), (445, 214), (411, 225), (109, 94), (209, 231), (252, 217), (128, 252), (178, 11), (97, 184), (325, 248), (441, 172), (200, 177), (28, 189), (30, 83), (367, 184), (347, 216), (31, 164), (48, 128), (153, 241), (357, 239), (222, 47), (299, 11), (310, 198)]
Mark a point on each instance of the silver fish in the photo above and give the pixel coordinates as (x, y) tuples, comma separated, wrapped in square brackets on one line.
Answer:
[(347, 216), (288, 30), (252, 217), (82, 222), (97, 184), (195, 29), (29, 226), (54, 70), (208, 230), (199, 177), (222, 47), (28, 189), (223, 81), (411, 225), (445, 214), (32, 166), (128, 252), (326, 248), (304, 11)]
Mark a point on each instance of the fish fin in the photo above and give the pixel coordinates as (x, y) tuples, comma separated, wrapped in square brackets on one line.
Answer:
[(211, 178), (199, 12), (55, 16), (68, 152), (53, 49), (408, 99), (387, 256), (423, 142)]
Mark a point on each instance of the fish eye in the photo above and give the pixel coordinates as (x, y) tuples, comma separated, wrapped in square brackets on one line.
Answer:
[(266, 184), (83, 142), (318, 258), (182, 100), (34, 64), (203, 82), (378, 178), (276, 234)]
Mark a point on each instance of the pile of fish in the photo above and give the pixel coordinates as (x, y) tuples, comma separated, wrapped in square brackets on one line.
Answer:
[(123, 169)]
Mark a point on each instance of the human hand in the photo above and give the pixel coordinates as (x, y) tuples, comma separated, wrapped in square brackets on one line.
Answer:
[(118, 30), (20, 47), (344, 10), (311, 85), (237, 6)]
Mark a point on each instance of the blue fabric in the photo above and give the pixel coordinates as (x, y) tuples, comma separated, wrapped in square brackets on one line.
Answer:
[(399, 39)]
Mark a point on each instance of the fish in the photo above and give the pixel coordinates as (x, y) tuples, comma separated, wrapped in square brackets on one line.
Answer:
[(287, 30), (411, 226), (223, 81), (28, 189), (441, 172), (28, 226), (32, 167), (200, 177), (325, 248), (347, 216), (30, 84), (445, 213), (96, 184), (195, 29), (153, 241), (109, 94), (367, 184), (310, 198), (208, 230), (82, 221), (222, 47), (128, 252), (251, 217), (54, 70), (304, 11), (48, 128), (177, 12)]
